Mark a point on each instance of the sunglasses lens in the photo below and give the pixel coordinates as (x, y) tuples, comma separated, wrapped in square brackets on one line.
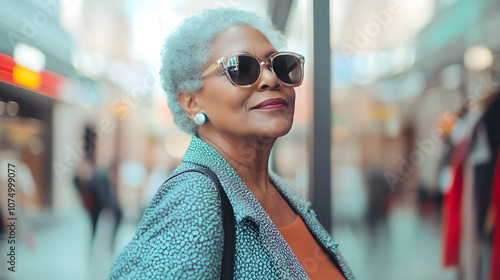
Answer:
[(243, 70), (288, 69)]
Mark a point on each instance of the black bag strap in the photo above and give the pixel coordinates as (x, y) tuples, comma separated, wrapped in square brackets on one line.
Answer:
[(228, 221)]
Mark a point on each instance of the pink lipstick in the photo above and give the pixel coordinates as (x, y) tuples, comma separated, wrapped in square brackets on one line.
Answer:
[(272, 104)]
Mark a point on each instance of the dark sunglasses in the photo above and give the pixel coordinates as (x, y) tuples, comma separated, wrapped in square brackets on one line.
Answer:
[(245, 69)]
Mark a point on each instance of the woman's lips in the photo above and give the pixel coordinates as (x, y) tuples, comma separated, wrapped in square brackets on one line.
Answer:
[(272, 104)]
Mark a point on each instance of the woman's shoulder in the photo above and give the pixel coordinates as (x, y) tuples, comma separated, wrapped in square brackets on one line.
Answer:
[(186, 187), (184, 198), (181, 229), (185, 176)]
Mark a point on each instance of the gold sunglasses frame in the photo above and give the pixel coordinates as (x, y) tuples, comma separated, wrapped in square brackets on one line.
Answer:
[(268, 61)]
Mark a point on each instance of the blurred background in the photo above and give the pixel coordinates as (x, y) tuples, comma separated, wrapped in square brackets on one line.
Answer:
[(413, 120)]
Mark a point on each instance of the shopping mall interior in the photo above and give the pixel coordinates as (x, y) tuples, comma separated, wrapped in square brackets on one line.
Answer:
[(406, 122)]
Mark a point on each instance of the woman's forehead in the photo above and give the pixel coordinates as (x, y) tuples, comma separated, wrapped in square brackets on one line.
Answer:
[(241, 38)]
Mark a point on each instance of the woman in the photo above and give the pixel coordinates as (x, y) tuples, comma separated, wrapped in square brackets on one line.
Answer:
[(229, 87)]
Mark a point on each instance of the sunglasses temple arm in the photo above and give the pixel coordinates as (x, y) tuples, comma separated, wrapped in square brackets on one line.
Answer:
[(210, 69)]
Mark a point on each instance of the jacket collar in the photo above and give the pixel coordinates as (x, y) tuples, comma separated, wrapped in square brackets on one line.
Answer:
[(245, 205), (243, 201)]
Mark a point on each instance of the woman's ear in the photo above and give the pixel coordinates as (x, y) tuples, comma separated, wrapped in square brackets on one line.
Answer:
[(188, 102)]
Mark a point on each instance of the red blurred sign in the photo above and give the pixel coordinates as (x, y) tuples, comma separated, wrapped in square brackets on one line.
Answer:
[(45, 82)]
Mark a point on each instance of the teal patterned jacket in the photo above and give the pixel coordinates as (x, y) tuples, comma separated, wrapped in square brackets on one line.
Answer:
[(180, 235)]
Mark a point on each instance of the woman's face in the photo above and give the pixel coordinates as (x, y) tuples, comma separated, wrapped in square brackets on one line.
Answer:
[(237, 111)]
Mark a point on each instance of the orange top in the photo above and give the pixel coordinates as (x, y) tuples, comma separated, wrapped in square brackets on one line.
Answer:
[(310, 255)]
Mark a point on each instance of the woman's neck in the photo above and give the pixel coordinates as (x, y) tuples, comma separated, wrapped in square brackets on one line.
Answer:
[(248, 156)]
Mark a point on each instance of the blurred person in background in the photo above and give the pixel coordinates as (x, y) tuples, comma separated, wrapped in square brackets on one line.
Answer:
[(96, 188), (378, 193), (229, 87)]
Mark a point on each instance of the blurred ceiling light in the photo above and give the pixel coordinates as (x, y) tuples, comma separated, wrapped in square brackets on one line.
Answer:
[(147, 36), (29, 57), (478, 58), (70, 15), (12, 108), (415, 15)]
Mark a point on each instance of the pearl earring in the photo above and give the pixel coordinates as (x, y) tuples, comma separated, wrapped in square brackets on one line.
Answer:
[(200, 119)]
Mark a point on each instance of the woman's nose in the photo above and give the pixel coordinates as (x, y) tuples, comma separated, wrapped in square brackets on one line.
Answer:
[(267, 79)]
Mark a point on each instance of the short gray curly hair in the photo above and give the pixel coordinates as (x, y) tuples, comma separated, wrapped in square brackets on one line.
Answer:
[(186, 51)]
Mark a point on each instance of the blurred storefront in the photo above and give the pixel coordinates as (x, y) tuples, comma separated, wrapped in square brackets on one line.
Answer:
[(33, 73), (45, 101), (409, 78)]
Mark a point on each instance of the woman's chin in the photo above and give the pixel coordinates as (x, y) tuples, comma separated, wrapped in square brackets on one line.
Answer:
[(284, 131), (274, 131)]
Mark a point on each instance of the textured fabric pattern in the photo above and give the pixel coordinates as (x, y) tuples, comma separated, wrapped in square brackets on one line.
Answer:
[(180, 235)]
